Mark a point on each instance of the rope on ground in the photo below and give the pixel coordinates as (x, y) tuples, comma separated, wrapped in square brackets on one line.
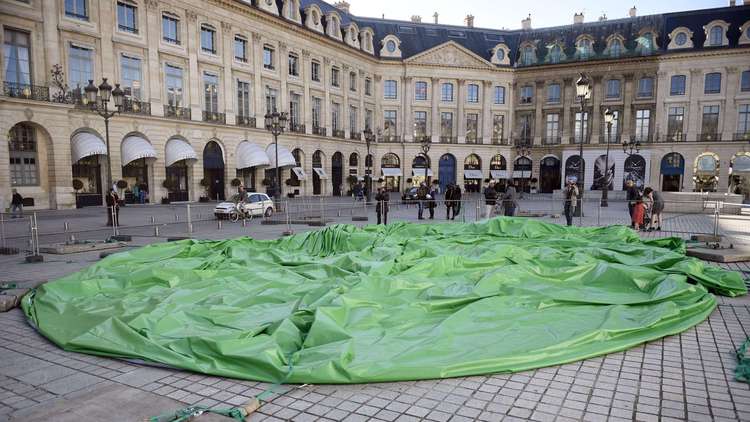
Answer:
[(742, 372)]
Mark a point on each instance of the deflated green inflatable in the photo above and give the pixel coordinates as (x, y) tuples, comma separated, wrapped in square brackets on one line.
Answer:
[(383, 303)]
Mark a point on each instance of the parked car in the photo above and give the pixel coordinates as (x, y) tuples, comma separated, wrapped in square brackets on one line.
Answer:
[(409, 195), (256, 204)]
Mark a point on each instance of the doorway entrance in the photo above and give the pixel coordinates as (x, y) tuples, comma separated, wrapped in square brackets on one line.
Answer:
[(337, 173), (549, 175), (213, 170)]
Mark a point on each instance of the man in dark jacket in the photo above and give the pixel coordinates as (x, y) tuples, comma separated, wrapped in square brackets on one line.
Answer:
[(490, 199), (16, 205), (449, 204), (632, 196), (421, 200), (456, 201), (381, 207), (113, 207)]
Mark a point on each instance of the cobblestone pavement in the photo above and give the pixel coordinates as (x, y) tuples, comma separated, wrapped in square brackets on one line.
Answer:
[(683, 377)]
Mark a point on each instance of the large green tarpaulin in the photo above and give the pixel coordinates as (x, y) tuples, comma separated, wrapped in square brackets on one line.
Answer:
[(383, 303)]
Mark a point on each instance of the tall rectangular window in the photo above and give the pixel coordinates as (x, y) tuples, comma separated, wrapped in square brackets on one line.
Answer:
[(642, 125), (615, 130), (527, 94), (170, 29), (335, 81), (368, 86), (127, 17), (294, 109), (472, 93), (498, 125), (677, 85), (211, 89), (240, 49), (389, 122), (553, 126), (352, 119), (173, 82), (208, 39), (446, 124), (712, 83), (316, 111), (499, 95), (710, 124), (17, 58), (645, 87), (553, 93), (81, 66), (527, 125), (390, 90), (368, 119), (315, 71), (581, 129), (613, 88), (446, 92), (745, 81), (243, 99), (293, 65), (472, 124), (420, 91), (675, 121), (131, 76), (353, 81), (76, 9), (743, 120), (269, 61), (22, 148), (335, 116), (420, 123), (271, 95)]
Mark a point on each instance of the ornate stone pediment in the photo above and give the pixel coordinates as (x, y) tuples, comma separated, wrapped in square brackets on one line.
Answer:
[(449, 54)]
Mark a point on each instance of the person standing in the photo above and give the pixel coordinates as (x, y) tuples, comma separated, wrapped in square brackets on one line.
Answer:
[(657, 207), (381, 208), (571, 199), (456, 200), (639, 211), (421, 200), (632, 195), (432, 200), (113, 208), (448, 201), (490, 199), (511, 199), (16, 205), (143, 193), (136, 193)]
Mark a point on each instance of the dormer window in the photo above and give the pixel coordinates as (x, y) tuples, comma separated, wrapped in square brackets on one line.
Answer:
[(500, 54), (390, 46), (555, 54), (527, 55), (681, 39), (647, 42), (716, 36), (584, 48), (615, 48)]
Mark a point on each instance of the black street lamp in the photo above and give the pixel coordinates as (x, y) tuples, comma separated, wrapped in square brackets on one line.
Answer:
[(583, 89), (276, 124), (425, 149), (523, 148), (631, 145), (369, 139), (609, 118), (97, 100)]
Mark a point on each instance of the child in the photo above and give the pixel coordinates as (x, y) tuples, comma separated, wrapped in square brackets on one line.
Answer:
[(639, 211)]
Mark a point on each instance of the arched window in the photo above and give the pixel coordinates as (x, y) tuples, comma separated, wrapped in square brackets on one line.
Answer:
[(317, 160), (615, 48), (584, 48), (472, 162), (353, 160), (555, 54), (716, 36), (498, 163), (527, 55), (22, 147), (390, 160)]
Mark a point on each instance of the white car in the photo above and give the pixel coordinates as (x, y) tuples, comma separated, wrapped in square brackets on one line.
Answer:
[(256, 204)]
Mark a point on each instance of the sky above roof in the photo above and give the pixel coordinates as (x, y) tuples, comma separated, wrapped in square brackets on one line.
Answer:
[(499, 14)]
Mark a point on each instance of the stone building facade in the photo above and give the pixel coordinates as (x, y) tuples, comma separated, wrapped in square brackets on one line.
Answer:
[(199, 75)]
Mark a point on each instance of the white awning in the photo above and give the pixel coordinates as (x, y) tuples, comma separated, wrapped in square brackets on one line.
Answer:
[(250, 155), (300, 172), (134, 148), (86, 144), (286, 159), (499, 174), (472, 174), (177, 150), (521, 174), (391, 172), (321, 173), (420, 172)]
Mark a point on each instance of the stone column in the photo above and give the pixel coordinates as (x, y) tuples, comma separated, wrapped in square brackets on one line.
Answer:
[(694, 112), (344, 82), (227, 57), (51, 37), (435, 110), (153, 72), (486, 126), (377, 118), (361, 91), (538, 114), (597, 94), (627, 119), (460, 118), (408, 129), (568, 101), (106, 52), (326, 111), (730, 112), (307, 100), (194, 76), (283, 75), (259, 91)]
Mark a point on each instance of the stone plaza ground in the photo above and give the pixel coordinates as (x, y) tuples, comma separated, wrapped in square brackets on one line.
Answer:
[(689, 376)]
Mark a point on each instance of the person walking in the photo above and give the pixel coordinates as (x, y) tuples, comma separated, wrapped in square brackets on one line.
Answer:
[(421, 200), (113, 208), (657, 207), (571, 199), (381, 208), (16, 205), (490, 199)]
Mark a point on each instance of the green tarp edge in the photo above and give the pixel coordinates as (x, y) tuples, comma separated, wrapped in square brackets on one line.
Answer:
[(383, 303)]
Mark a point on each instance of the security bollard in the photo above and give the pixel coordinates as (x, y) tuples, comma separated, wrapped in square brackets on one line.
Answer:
[(156, 231), (218, 224), (189, 220)]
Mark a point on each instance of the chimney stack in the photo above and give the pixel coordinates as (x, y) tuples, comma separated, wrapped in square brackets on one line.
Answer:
[(436, 17), (342, 6), (732, 3), (469, 19), (632, 11), (526, 23), (603, 17), (578, 18), (416, 18)]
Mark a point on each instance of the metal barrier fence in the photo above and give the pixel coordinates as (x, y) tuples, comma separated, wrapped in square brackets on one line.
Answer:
[(85, 229)]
